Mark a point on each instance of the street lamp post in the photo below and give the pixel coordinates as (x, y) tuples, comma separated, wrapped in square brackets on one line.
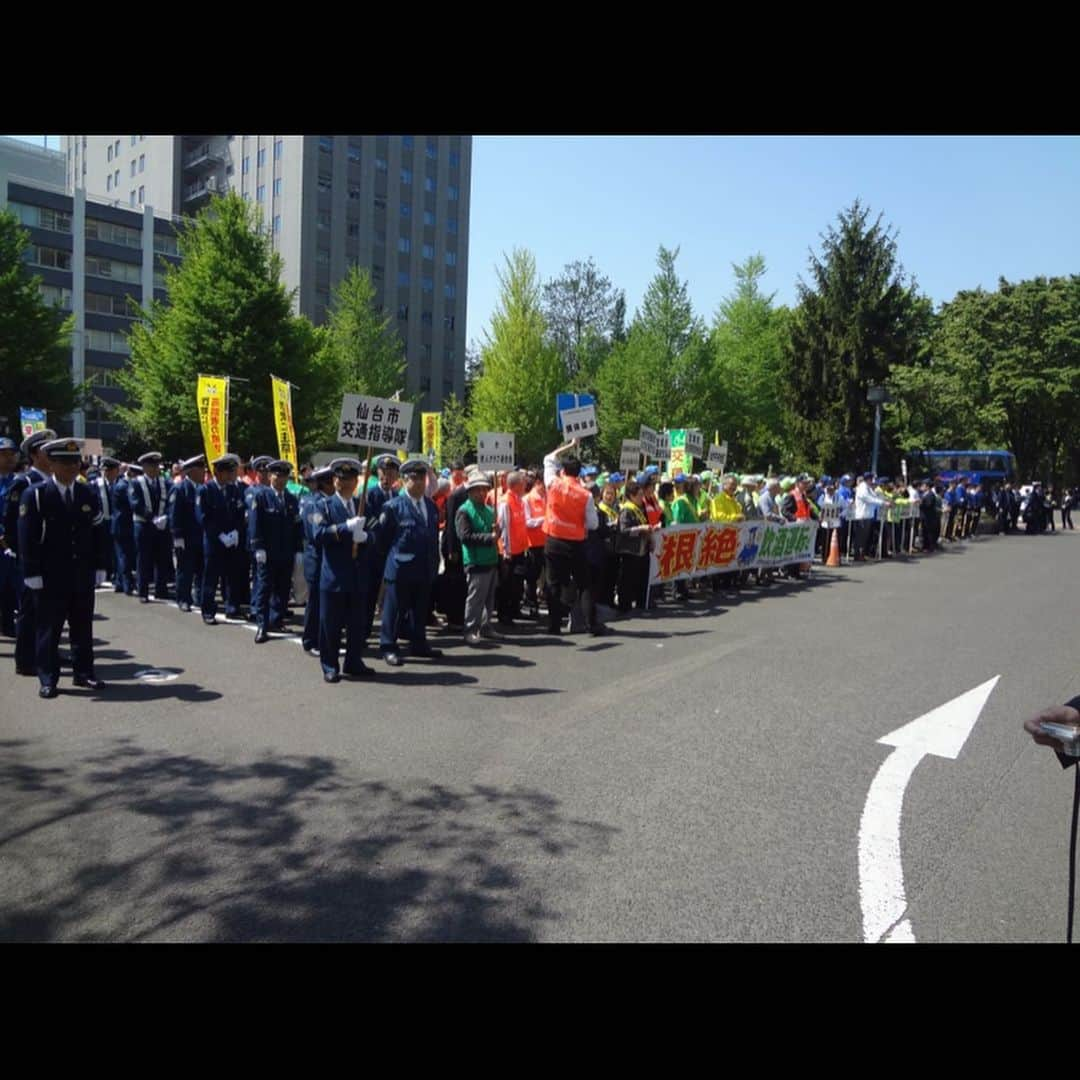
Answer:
[(877, 395)]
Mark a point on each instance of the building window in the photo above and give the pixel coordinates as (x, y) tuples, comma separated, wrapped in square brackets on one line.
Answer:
[(354, 191), (322, 256), (448, 322), (322, 221), (112, 269), (326, 142), (403, 279), (380, 203), (113, 234), (448, 358), (279, 149), (246, 166), (455, 159), (432, 151), (277, 186), (260, 193), (407, 142), (404, 245), (133, 140), (354, 230), (427, 284), (228, 170), (261, 158), (429, 217), (142, 194), (425, 318), (142, 163), (132, 166), (132, 200), (277, 223), (325, 185), (449, 291), (406, 210), (451, 225), (46, 256), (354, 152), (403, 311), (376, 272), (42, 217), (380, 164), (406, 176), (58, 297), (380, 238), (429, 184), (116, 178), (109, 154), (429, 251), (116, 152), (451, 258), (451, 193), (108, 183), (163, 242)]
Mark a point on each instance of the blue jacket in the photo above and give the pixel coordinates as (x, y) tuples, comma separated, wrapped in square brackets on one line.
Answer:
[(140, 490), (15, 492), (311, 508), (64, 547), (184, 511), (6, 484), (122, 524), (221, 510), (274, 523), (340, 572), (412, 548)]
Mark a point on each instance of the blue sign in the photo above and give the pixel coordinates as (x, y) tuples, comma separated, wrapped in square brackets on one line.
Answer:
[(31, 420), (570, 401)]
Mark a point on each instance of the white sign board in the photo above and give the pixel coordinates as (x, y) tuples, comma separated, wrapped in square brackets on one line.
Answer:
[(495, 451), (717, 458), (375, 422), (831, 515), (630, 457), (648, 438), (695, 442), (663, 446), (579, 423)]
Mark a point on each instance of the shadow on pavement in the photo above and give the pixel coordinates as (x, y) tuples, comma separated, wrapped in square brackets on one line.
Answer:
[(135, 844)]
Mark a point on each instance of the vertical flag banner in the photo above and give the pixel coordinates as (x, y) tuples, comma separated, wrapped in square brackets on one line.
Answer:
[(681, 460), (431, 437), (212, 398), (286, 436), (31, 420)]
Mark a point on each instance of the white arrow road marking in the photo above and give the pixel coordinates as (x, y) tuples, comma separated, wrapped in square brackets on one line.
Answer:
[(942, 732)]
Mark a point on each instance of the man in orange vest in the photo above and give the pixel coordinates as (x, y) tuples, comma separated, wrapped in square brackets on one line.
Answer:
[(570, 514), (513, 546), (535, 512)]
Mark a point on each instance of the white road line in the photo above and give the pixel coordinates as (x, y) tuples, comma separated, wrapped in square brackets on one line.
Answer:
[(942, 732)]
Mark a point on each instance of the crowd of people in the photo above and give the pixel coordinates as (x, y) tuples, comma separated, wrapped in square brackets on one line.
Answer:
[(565, 545)]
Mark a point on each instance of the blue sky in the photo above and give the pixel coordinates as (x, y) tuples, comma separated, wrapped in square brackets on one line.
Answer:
[(968, 208)]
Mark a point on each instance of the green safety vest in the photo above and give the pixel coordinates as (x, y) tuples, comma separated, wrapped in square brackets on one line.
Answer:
[(483, 521)]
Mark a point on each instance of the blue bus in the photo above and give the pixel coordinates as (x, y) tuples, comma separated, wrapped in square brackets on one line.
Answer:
[(982, 466)]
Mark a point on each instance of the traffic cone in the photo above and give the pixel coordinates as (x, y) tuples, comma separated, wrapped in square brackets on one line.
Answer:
[(834, 549)]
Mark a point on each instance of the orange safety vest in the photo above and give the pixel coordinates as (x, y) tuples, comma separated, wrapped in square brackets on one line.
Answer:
[(653, 511), (535, 503), (802, 510), (564, 515), (519, 535)]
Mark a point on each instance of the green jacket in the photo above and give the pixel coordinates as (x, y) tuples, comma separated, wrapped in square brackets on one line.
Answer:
[(482, 520)]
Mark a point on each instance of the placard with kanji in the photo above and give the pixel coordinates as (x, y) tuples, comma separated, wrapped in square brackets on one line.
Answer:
[(375, 422)]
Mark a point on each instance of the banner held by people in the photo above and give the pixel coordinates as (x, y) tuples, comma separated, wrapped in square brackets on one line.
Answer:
[(212, 399), (283, 421), (431, 437)]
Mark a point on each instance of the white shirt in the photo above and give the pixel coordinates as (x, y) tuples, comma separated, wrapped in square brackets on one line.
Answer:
[(63, 489), (866, 502)]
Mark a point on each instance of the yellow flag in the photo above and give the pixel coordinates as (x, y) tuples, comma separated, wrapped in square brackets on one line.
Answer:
[(286, 436), (431, 437), (212, 396)]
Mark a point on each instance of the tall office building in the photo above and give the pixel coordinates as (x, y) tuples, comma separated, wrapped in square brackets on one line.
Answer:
[(398, 205)]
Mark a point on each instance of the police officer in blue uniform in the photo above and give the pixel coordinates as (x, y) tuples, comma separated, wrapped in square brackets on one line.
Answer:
[(123, 532), (9, 563), (105, 481), (187, 535), (276, 537), (63, 556), (408, 531), (220, 504), (262, 481), (40, 468), (311, 508), (378, 495), (148, 496), (339, 532)]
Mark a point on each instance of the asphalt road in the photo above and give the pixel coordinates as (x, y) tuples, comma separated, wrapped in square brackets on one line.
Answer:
[(694, 777)]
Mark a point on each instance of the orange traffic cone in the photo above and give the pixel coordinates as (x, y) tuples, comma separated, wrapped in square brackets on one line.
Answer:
[(834, 549)]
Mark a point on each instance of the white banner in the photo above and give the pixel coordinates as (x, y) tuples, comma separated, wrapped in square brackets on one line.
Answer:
[(647, 437), (717, 458), (375, 422), (831, 515), (695, 442), (579, 423), (495, 451), (630, 457), (663, 446)]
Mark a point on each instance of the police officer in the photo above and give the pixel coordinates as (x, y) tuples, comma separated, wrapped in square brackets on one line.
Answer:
[(276, 536), (378, 495), (105, 482), (344, 574), (408, 531), (9, 563), (187, 536), (123, 532), (149, 498), (63, 556), (259, 482), (312, 514), (220, 505), (40, 469)]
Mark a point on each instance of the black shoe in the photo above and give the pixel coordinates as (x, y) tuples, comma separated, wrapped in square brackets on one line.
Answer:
[(393, 659), (261, 635), (331, 677), (209, 621), (184, 607), (144, 599), (48, 691), (429, 654), (87, 682), (311, 650), (362, 672)]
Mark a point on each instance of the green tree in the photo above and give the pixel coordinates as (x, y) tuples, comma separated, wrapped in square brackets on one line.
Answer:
[(362, 340), (228, 314), (856, 322), (581, 314), (457, 443), (522, 372), (35, 337)]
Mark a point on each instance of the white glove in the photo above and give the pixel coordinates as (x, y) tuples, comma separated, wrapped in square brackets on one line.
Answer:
[(353, 523), (260, 556), (226, 539), (161, 522), (99, 577), (178, 544), (9, 553), (235, 538), (35, 583), (358, 535)]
